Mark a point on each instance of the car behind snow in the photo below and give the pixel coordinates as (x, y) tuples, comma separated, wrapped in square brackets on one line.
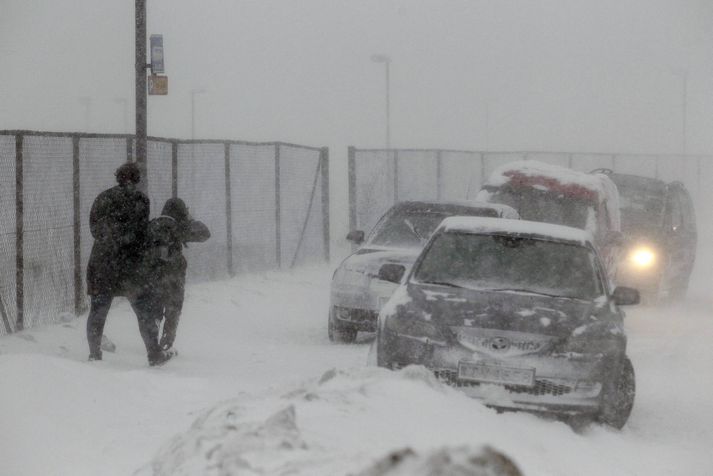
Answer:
[(561, 196), (659, 224), (516, 313), (357, 293)]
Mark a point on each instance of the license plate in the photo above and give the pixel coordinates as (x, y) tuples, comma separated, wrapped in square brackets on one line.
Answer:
[(494, 373)]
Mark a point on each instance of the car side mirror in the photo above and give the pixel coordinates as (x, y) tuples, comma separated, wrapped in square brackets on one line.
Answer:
[(624, 296), (391, 272), (356, 237)]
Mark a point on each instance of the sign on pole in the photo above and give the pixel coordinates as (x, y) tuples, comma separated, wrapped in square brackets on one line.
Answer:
[(158, 85), (156, 42)]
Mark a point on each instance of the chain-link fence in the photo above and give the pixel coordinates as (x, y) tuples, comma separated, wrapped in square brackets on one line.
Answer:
[(378, 178), (266, 205)]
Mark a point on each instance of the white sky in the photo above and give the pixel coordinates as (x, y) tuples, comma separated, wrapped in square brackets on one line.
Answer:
[(599, 75)]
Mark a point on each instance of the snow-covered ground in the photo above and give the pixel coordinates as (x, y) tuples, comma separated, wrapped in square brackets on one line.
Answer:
[(258, 389)]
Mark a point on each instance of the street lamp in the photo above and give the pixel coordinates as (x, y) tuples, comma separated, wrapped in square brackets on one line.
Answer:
[(386, 60)]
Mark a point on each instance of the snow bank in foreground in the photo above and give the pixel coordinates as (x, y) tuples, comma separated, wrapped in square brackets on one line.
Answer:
[(291, 433), (460, 461)]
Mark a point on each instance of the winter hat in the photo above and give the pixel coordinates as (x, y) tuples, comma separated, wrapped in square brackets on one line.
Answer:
[(128, 173), (176, 209)]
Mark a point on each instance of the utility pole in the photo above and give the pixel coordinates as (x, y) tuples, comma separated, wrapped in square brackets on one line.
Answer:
[(141, 94)]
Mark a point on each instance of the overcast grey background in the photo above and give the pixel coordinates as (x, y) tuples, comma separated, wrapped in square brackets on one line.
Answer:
[(580, 75)]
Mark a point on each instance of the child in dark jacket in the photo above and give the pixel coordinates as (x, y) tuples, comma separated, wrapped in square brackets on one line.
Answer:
[(165, 265)]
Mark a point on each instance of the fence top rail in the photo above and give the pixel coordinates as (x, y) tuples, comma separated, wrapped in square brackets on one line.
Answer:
[(533, 152), (97, 135)]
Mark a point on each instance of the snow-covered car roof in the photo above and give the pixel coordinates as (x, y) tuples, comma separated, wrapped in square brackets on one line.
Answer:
[(446, 205), (543, 176), (483, 225)]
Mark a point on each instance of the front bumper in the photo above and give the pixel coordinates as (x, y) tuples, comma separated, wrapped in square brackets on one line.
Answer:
[(568, 396), (563, 384), (359, 305)]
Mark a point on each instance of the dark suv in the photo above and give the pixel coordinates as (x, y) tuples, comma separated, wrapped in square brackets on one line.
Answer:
[(659, 223)]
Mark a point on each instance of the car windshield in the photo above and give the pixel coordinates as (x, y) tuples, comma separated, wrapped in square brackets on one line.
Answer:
[(544, 206), (412, 228), (641, 201), (505, 262)]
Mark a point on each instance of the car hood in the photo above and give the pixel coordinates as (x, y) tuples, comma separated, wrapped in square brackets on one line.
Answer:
[(511, 311), (369, 260)]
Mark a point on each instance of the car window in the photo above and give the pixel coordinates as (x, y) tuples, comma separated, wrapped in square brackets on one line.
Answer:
[(505, 262), (411, 228), (543, 206)]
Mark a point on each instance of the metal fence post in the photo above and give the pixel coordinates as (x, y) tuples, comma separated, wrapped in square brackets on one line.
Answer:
[(77, 226), (278, 215), (439, 175), (324, 160), (351, 164), (482, 169), (315, 182), (19, 237), (228, 211), (174, 169)]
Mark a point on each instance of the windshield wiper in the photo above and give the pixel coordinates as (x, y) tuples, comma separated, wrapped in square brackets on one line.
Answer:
[(412, 229), (443, 283), (530, 291)]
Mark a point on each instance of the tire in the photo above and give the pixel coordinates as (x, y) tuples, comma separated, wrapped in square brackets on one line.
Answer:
[(618, 397), (383, 356), (339, 332)]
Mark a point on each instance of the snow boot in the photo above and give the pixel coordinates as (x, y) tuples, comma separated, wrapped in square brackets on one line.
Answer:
[(160, 357)]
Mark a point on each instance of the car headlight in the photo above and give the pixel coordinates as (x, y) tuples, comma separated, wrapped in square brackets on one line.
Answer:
[(411, 327), (589, 345), (642, 257)]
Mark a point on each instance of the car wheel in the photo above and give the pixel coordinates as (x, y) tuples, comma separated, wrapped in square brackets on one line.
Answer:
[(383, 356), (339, 332), (618, 397)]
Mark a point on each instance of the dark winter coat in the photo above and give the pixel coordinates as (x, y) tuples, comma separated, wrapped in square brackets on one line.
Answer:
[(118, 222), (164, 266)]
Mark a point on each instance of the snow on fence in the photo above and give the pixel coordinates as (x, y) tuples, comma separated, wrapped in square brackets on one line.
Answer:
[(379, 177), (266, 204)]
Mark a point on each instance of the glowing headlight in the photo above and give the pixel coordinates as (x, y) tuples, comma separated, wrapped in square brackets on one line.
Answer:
[(642, 257)]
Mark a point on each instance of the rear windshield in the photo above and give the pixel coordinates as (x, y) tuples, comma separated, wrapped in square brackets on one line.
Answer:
[(544, 206), (505, 262)]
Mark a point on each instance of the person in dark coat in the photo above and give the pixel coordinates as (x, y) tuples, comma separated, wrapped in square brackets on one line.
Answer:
[(164, 266), (118, 221)]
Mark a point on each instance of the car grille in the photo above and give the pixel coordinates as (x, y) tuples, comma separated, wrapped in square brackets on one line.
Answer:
[(541, 387)]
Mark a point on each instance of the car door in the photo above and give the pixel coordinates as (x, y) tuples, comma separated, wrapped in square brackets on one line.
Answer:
[(688, 236), (675, 238)]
